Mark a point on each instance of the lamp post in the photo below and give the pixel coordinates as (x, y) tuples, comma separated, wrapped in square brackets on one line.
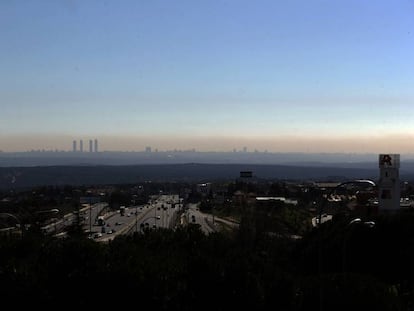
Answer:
[(351, 182), (49, 211), (351, 225), (136, 219), (155, 216), (136, 215), (9, 215), (319, 223), (90, 215), (89, 193)]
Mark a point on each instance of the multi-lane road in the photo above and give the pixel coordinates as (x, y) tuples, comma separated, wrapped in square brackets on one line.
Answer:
[(194, 216), (162, 211), (87, 216), (208, 222)]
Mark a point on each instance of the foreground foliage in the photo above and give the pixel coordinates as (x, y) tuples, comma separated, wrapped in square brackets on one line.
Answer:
[(337, 266)]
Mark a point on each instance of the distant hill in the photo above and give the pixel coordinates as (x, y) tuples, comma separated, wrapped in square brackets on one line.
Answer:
[(49, 158), (24, 177), (28, 169)]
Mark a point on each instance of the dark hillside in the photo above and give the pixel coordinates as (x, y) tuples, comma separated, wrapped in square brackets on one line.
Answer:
[(23, 177)]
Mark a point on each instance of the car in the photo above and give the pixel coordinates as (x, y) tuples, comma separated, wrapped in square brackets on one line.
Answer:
[(158, 217), (118, 223), (97, 235)]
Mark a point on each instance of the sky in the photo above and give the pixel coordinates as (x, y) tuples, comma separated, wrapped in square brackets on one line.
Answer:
[(309, 76)]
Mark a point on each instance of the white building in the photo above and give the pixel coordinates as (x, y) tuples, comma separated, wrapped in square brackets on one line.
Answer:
[(389, 182)]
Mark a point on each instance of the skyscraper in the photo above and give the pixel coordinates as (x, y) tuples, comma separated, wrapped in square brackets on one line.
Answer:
[(74, 146), (81, 145), (96, 145), (90, 145)]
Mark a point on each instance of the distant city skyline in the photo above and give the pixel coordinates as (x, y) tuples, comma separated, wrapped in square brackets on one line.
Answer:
[(93, 146), (308, 76), (328, 144)]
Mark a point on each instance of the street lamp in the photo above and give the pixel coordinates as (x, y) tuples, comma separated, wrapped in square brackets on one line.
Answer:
[(319, 222), (355, 182), (48, 211), (89, 196), (351, 225), (136, 215), (9, 215)]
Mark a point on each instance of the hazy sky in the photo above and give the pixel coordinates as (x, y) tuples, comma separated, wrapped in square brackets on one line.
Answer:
[(210, 74)]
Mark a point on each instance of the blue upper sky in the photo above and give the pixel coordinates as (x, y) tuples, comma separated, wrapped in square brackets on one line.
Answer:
[(208, 74)]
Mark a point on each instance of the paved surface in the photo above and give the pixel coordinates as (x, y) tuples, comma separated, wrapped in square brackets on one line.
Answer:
[(163, 211)]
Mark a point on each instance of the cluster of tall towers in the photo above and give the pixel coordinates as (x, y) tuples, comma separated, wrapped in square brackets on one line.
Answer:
[(93, 146)]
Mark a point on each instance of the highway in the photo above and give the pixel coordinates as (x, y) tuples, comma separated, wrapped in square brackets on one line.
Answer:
[(162, 211), (86, 214), (194, 216), (208, 222)]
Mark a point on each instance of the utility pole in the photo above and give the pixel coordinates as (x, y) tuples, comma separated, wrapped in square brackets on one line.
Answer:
[(319, 222), (155, 216), (90, 211), (136, 218), (90, 217)]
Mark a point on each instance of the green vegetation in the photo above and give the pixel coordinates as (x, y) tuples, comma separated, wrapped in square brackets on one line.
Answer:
[(273, 261), (361, 267), (271, 216)]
